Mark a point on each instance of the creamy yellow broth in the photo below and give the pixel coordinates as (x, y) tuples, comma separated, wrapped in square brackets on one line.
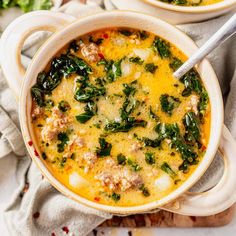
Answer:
[(192, 2), (71, 149)]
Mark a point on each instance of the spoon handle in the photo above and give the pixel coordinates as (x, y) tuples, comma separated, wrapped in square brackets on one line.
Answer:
[(228, 29)]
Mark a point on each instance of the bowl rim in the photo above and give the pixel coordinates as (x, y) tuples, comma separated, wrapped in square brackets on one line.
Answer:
[(224, 4), (25, 105)]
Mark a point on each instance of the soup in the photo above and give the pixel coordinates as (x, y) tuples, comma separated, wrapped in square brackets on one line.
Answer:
[(111, 122), (191, 2)]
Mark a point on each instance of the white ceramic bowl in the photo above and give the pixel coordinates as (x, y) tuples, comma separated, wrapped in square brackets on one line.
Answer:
[(177, 14), (217, 199)]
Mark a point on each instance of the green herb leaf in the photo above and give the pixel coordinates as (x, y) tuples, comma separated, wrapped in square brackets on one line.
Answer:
[(63, 140), (124, 126), (202, 105), (143, 34), (90, 110), (172, 132), (37, 95), (153, 115), (175, 63), (63, 162), (112, 68), (150, 158), (180, 2), (151, 67), (162, 47), (97, 41), (121, 159), (85, 94), (134, 165), (84, 117), (136, 60), (192, 129), (104, 149), (151, 142), (144, 190), (27, 6), (63, 106), (130, 89), (166, 168), (115, 197), (191, 82), (168, 103), (126, 32)]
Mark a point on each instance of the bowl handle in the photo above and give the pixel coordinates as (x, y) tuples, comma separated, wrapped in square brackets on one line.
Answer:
[(220, 197), (17, 32)]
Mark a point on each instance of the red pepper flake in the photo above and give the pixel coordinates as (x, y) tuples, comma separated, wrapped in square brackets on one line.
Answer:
[(101, 55), (105, 36), (203, 148), (65, 229), (97, 199), (36, 153), (53, 234), (30, 143), (36, 215)]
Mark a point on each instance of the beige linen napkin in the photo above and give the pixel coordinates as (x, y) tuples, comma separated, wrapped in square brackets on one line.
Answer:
[(36, 208)]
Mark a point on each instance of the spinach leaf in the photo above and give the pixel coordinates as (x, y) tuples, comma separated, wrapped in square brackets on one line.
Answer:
[(86, 92), (38, 95), (97, 41), (104, 149), (90, 110), (168, 103), (162, 47), (126, 32), (136, 60), (153, 115), (62, 162), (151, 142), (112, 68), (130, 89), (143, 34), (150, 158), (63, 140), (134, 165), (166, 168), (151, 67), (202, 105), (175, 63), (49, 104), (67, 64), (73, 46), (84, 117), (144, 190), (191, 83), (121, 159), (63, 106), (124, 126), (172, 132), (192, 129), (180, 2), (64, 65), (127, 122)]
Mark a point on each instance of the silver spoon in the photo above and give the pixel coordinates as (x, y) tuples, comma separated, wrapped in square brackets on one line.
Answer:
[(227, 30)]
